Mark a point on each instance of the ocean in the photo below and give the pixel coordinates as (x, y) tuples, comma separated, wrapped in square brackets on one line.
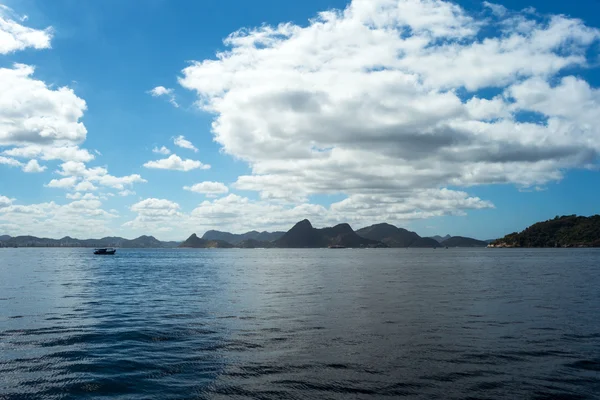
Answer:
[(300, 324)]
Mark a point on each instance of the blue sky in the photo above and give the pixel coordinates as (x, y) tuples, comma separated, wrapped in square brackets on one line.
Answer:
[(466, 118)]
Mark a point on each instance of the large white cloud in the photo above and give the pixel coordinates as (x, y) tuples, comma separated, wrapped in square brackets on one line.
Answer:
[(33, 113), (176, 163), (14, 36), (388, 100)]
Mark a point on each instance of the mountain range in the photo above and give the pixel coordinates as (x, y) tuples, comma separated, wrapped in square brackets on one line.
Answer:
[(239, 238), (304, 235), (301, 235), (137, 243), (565, 231)]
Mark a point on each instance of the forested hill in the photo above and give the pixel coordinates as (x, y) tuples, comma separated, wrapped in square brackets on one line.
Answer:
[(565, 231)]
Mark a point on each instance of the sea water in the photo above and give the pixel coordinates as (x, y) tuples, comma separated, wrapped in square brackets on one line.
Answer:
[(300, 324)]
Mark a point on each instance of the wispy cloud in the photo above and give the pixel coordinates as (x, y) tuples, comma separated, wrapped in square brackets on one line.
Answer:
[(182, 142), (161, 91)]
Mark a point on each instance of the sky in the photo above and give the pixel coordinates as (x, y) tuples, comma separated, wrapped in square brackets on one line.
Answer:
[(172, 117)]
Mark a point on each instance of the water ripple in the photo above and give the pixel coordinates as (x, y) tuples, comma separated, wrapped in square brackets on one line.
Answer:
[(299, 324)]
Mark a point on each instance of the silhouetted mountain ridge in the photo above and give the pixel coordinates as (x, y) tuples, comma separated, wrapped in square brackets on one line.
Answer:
[(304, 235), (395, 237), (194, 242), (460, 241), (439, 238), (67, 241), (238, 238)]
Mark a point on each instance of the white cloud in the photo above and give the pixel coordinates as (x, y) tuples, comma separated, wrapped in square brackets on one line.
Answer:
[(85, 186), (175, 163), (386, 101), (162, 150), (127, 192), (97, 175), (208, 188), (33, 167), (498, 9), (57, 152), (182, 142), (41, 115), (160, 91), (14, 36), (10, 161), (80, 218), (5, 201), (64, 183), (84, 196), (163, 91)]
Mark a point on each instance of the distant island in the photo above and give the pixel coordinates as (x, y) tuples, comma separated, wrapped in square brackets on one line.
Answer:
[(565, 231)]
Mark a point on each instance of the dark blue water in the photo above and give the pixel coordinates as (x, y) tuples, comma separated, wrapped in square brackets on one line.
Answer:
[(300, 324)]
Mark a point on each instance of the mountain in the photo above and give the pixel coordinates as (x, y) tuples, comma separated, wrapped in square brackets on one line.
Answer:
[(439, 238), (565, 231), (67, 241), (396, 237), (254, 244), (194, 242), (460, 241), (4, 238), (238, 238), (145, 242), (304, 235)]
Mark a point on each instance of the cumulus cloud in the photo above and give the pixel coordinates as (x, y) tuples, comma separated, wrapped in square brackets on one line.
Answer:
[(182, 142), (38, 120), (42, 115), (57, 152), (127, 192), (85, 186), (15, 36), (84, 196), (160, 91), (152, 213), (176, 163), (10, 161), (162, 150), (5, 201), (388, 100), (33, 167), (208, 188), (64, 183), (77, 218), (78, 173)]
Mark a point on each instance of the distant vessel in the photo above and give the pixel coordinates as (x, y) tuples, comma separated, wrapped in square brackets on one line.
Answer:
[(105, 252), (336, 246)]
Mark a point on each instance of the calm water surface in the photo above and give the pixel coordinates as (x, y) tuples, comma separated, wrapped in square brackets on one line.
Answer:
[(300, 324)]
